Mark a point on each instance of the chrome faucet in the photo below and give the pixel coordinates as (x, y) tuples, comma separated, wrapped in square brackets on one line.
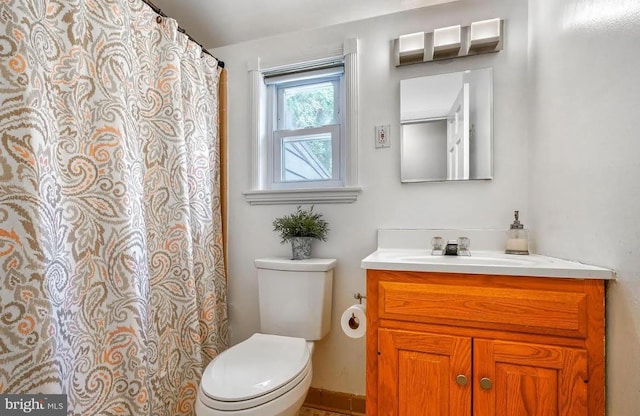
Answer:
[(459, 247), (451, 249)]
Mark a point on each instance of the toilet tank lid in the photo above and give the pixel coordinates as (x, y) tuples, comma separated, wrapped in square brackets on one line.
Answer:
[(306, 265)]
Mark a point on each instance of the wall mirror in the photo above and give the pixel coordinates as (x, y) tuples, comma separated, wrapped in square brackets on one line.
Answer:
[(446, 126)]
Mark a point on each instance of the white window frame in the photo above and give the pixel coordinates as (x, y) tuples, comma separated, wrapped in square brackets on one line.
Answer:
[(264, 190)]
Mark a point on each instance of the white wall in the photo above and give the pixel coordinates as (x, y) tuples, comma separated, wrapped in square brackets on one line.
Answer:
[(339, 362), (585, 164)]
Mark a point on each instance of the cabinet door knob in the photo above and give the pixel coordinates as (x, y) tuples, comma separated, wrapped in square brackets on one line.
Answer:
[(486, 383), (461, 379)]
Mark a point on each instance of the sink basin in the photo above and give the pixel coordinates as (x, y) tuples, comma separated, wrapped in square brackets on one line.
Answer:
[(410, 250), (468, 260), (485, 262)]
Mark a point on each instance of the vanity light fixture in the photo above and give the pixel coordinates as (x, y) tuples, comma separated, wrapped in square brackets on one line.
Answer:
[(450, 42), (410, 48), (485, 35), (447, 42)]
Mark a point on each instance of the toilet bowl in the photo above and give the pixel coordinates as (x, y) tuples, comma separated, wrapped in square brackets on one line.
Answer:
[(264, 375), (269, 374)]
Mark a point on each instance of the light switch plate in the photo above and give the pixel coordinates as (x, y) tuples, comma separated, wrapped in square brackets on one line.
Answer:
[(382, 136)]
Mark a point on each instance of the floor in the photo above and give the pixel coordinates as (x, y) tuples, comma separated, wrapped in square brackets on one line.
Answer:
[(307, 411)]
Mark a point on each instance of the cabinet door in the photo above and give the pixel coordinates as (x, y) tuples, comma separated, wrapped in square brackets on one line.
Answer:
[(423, 374), (520, 379)]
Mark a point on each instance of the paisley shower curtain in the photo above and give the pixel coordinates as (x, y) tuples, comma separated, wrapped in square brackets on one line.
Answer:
[(112, 280)]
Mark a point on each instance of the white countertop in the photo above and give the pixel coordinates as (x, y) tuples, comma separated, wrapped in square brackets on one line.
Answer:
[(482, 262)]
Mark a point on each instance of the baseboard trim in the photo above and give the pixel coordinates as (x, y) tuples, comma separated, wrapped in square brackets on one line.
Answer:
[(332, 401)]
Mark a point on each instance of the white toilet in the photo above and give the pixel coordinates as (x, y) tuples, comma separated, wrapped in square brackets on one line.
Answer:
[(269, 374)]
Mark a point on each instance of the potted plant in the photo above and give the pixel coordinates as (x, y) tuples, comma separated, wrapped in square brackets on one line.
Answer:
[(301, 228)]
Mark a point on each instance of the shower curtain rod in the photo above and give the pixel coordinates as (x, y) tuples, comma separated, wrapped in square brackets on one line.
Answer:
[(161, 13)]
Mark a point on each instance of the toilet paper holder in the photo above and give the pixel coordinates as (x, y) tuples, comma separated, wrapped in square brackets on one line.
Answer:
[(354, 322)]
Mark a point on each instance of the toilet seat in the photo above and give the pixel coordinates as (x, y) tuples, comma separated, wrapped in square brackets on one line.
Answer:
[(254, 372)]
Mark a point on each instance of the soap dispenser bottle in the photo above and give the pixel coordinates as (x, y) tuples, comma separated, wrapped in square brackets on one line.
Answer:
[(517, 237)]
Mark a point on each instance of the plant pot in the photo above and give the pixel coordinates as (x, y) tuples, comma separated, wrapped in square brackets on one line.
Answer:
[(301, 248)]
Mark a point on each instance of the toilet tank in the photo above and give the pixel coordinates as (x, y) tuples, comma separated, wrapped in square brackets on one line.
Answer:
[(295, 296)]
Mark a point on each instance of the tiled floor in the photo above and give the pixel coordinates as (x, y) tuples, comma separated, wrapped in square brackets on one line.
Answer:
[(307, 411)]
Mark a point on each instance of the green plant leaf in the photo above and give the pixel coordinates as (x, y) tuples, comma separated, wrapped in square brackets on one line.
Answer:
[(302, 223)]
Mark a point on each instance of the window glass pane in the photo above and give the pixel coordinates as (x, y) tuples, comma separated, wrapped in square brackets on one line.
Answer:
[(310, 105), (306, 158)]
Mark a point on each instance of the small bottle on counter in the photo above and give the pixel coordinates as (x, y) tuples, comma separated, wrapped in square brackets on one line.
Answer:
[(517, 237)]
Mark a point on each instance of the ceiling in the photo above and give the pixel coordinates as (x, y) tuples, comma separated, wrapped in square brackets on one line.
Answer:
[(216, 23)]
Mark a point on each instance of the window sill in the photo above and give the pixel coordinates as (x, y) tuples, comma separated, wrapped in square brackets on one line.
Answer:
[(303, 196)]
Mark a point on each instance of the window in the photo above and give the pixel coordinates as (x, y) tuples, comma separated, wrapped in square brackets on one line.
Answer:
[(306, 117), (304, 128)]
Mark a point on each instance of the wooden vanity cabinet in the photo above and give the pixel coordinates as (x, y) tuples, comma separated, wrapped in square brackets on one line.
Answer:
[(455, 344)]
